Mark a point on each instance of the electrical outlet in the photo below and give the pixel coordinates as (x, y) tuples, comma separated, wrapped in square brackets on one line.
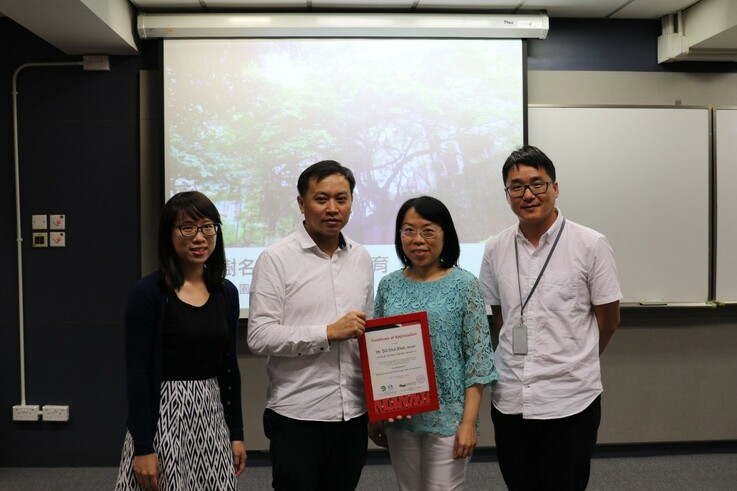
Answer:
[(55, 413), (25, 413)]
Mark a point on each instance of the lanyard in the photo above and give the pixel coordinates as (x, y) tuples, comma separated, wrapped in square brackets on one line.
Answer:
[(519, 283)]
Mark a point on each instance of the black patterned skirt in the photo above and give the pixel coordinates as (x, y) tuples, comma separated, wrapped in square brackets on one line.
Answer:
[(192, 441)]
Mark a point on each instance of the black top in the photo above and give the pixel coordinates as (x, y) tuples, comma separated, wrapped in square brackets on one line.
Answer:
[(195, 339), (144, 339)]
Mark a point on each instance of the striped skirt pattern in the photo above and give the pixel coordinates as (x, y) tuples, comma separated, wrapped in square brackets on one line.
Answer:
[(192, 441)]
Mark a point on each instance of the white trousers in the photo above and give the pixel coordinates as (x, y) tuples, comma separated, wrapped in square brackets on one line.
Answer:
[(424, 461)]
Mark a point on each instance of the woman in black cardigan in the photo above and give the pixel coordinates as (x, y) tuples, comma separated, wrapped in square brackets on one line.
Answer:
[(185, 428)]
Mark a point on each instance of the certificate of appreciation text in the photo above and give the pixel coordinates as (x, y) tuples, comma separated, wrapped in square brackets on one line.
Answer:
[(398, 369)]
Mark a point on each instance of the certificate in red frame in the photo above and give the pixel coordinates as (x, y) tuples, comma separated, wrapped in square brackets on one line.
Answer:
[(398, 368)]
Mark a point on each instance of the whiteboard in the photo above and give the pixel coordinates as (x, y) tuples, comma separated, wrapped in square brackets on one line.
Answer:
[(726, 205), (641, 177)]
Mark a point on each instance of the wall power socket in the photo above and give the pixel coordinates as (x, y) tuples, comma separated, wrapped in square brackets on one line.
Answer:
[(55, 413), (25, 413)]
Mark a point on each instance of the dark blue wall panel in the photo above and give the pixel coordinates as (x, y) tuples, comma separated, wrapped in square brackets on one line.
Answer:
[(79, 155)]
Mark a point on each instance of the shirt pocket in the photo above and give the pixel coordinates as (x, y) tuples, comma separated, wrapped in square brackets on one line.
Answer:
[(559, 290)]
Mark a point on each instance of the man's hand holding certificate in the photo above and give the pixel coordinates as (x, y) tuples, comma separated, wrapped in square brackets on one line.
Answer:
[(398, 369)]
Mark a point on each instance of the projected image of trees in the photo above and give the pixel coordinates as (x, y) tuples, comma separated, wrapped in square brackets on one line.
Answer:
[(409, 117)]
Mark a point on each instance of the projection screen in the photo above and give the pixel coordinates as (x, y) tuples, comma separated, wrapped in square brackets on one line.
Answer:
[(410, 117)]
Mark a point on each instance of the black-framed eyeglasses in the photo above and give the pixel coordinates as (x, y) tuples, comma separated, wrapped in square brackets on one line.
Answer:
[(190, 230), (425, 233), (518, 190)]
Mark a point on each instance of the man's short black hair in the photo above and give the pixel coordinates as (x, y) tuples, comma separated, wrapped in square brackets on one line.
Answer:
[(530, 156), (321, 170)]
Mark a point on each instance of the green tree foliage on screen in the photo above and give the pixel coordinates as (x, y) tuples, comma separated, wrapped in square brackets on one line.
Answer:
[(405, 116)]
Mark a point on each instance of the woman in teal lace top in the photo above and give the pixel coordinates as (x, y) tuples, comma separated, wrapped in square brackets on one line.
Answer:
[(430, 451)]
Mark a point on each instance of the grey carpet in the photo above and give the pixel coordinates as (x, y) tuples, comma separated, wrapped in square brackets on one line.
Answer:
[(712, 472)]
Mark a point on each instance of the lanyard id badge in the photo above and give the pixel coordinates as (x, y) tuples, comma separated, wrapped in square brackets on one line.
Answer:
[(519, 331), (519, 339)]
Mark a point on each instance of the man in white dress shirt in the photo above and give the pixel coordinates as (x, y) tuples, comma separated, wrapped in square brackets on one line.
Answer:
[(554, 294), (310, 296)]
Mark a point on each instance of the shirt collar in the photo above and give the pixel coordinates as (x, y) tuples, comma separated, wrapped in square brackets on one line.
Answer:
[(306, 242), (551, 232)]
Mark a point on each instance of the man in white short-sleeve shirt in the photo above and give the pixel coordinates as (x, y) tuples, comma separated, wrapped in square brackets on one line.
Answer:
[(554, 294), (310, 296)]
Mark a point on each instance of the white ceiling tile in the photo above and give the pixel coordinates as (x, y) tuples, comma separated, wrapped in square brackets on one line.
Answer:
[(647, 9), (364, 3), (575, 8), (631, 9), (167, 4), (235, 4), (469, 4)]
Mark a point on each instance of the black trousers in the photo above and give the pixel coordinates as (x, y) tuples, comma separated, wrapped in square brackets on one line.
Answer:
[(316, 455), (551, 454)]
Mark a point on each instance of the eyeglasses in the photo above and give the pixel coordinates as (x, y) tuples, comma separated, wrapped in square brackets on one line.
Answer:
[(518, 190), (190, 230), (426, 233)]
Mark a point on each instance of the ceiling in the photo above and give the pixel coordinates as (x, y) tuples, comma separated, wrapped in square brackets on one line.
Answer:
[(622, 9), (109, 26)]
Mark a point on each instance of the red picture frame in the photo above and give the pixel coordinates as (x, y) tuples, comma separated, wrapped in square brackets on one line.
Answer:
[(398, 368)]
